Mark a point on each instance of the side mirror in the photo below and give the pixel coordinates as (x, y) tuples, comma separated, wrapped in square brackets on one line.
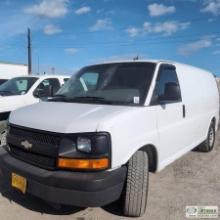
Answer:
[(172, 92), (38, 93)]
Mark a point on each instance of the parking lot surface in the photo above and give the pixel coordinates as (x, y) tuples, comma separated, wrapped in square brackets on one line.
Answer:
[(192, 180)]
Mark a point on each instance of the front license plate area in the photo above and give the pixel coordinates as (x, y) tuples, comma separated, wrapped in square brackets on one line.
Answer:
[(19, 182)]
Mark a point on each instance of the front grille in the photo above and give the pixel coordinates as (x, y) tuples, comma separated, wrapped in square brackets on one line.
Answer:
[(44, 146), (34, 136), (32, 158)]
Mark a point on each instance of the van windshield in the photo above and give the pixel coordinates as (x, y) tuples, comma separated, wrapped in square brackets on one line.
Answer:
[(2, 81), (17, 86), (115, 83)]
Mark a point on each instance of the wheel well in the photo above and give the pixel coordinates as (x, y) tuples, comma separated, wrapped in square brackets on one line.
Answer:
[(152, 156)]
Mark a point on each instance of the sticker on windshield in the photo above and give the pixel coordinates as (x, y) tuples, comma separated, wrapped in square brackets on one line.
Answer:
[(136, 99)]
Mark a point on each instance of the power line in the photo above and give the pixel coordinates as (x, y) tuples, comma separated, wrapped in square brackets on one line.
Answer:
[(178, 38), (159, 40)]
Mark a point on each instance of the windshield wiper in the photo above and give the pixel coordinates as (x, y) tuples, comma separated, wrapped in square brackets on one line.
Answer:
[(5, 91), (88, 98), (56, 98), (59, 95), (9, 92)]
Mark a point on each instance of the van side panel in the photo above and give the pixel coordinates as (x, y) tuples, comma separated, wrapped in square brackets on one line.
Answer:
[(211, 100), (192, 88), (201, 100)]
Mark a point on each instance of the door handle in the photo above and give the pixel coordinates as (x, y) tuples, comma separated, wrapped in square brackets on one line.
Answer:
[(184, 111)]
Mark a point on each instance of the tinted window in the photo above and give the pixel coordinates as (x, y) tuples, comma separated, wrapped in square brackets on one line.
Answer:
[(167, 76), (54, 83), (116, 83), (2, 81), (17, 86)]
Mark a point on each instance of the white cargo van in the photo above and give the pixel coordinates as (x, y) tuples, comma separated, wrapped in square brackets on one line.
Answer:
[(25, 90), (11, 70), (106, 128)]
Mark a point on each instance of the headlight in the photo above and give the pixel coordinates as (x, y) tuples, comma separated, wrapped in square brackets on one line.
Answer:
[(87, 151), (84, 144)]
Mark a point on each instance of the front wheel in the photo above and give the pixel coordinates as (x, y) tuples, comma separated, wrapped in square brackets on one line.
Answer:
[(136, 188)]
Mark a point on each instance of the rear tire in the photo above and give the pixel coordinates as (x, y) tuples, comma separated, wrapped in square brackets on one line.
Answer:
[(209, 143), (136, 188)]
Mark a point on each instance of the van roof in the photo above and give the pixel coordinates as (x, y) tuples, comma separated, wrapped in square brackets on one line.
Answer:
[(153, 61), (44, 76), (137, 61)]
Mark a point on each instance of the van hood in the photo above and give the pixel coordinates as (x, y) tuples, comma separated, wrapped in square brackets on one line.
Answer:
[(66, 117)]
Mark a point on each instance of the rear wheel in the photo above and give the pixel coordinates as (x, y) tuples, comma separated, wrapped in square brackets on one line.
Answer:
[(208, 144), (136, 188)]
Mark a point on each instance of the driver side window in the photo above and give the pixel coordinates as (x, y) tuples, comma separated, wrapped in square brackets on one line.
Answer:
[(47, 88), (167, 89)]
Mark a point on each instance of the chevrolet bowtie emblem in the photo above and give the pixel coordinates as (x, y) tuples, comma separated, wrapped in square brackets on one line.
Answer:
[(27, 145)]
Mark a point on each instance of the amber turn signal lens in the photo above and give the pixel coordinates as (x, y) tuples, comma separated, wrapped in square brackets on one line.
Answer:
[(83, 163)]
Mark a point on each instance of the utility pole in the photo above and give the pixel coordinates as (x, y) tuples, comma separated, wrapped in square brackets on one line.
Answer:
[(29, 52)]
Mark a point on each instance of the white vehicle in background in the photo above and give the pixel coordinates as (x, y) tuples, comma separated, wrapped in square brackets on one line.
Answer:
[(25, 90), (110, 125), (11, 70)]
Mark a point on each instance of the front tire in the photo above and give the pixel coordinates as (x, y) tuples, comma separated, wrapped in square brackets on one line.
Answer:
[(209, 143), (136, 188)]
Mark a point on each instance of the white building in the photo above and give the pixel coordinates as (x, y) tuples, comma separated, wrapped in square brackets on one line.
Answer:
[(10, 70)]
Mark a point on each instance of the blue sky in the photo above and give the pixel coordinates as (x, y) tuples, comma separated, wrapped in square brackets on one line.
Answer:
[(68, 34)]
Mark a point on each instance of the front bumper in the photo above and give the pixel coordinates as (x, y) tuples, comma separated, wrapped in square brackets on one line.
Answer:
[(83, 189)]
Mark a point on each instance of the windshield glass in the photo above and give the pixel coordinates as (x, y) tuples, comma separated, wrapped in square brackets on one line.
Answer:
[(116, 83), (2, 81), (17, 86)]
